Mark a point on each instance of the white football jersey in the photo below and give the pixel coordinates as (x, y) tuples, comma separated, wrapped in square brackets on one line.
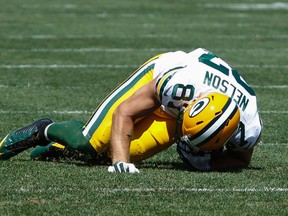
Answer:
[(182, 77)]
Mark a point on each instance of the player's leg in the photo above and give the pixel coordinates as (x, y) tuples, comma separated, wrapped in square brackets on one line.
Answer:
[(50, 152), (24, 138), (69, 133), (96, 132), (152, 135), (98, 128), (68, 142)]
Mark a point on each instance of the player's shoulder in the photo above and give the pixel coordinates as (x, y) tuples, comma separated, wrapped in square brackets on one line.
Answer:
[(171, 63), (170, 60)]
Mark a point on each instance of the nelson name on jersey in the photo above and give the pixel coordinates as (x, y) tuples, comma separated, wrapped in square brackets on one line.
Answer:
[(228, 88)]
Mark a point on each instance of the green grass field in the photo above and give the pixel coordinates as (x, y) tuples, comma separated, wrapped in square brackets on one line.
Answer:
[(59, 59)]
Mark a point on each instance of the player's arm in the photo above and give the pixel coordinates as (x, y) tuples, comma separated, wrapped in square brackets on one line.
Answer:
[(229, 159), (143, 101), (216, 160)]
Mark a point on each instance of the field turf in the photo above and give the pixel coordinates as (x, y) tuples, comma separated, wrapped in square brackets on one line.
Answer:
[(59, 59)]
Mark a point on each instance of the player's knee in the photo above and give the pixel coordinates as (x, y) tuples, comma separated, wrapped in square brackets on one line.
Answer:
[(69, 133)]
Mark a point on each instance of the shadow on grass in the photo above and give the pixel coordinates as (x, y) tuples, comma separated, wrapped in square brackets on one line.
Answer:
[(184, 167), (160, 165)]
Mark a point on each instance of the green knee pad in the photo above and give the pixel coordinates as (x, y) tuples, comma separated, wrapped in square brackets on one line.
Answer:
[(70, 133)]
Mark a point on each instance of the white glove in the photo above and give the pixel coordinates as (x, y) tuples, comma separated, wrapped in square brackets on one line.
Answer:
[(120, 167)]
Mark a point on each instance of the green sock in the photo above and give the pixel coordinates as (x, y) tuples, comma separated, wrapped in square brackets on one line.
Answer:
[(70, 133)]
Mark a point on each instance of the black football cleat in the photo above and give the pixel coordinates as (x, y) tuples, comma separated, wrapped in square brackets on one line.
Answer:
[(24, 138)]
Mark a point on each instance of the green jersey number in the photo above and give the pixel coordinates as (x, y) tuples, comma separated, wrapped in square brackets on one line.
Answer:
[(181, 92), (206, 59)]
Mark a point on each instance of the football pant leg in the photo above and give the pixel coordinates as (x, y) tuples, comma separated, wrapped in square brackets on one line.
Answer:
[(98, 128), (69, 133), (153, 134)]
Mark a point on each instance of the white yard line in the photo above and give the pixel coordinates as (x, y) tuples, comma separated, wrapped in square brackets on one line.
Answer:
[(269, 86), (245, 37), (56, 66), (53, 66), (61, 112), (274, 111), (236, 6), (261, 66), (99, 36), (95, 36), (116, 50), (197, 190), (273, 144), (206, 190), (250, 6), (184, 189), (90, 49)]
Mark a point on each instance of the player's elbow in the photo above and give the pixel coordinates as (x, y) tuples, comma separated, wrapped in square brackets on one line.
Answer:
[(121, 110), (121, 115)]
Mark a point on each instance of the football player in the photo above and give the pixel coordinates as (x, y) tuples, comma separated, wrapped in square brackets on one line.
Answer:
[(210, 101)]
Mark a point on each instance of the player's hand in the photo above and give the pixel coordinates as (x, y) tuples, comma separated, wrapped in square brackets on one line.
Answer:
[(120, 167)]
